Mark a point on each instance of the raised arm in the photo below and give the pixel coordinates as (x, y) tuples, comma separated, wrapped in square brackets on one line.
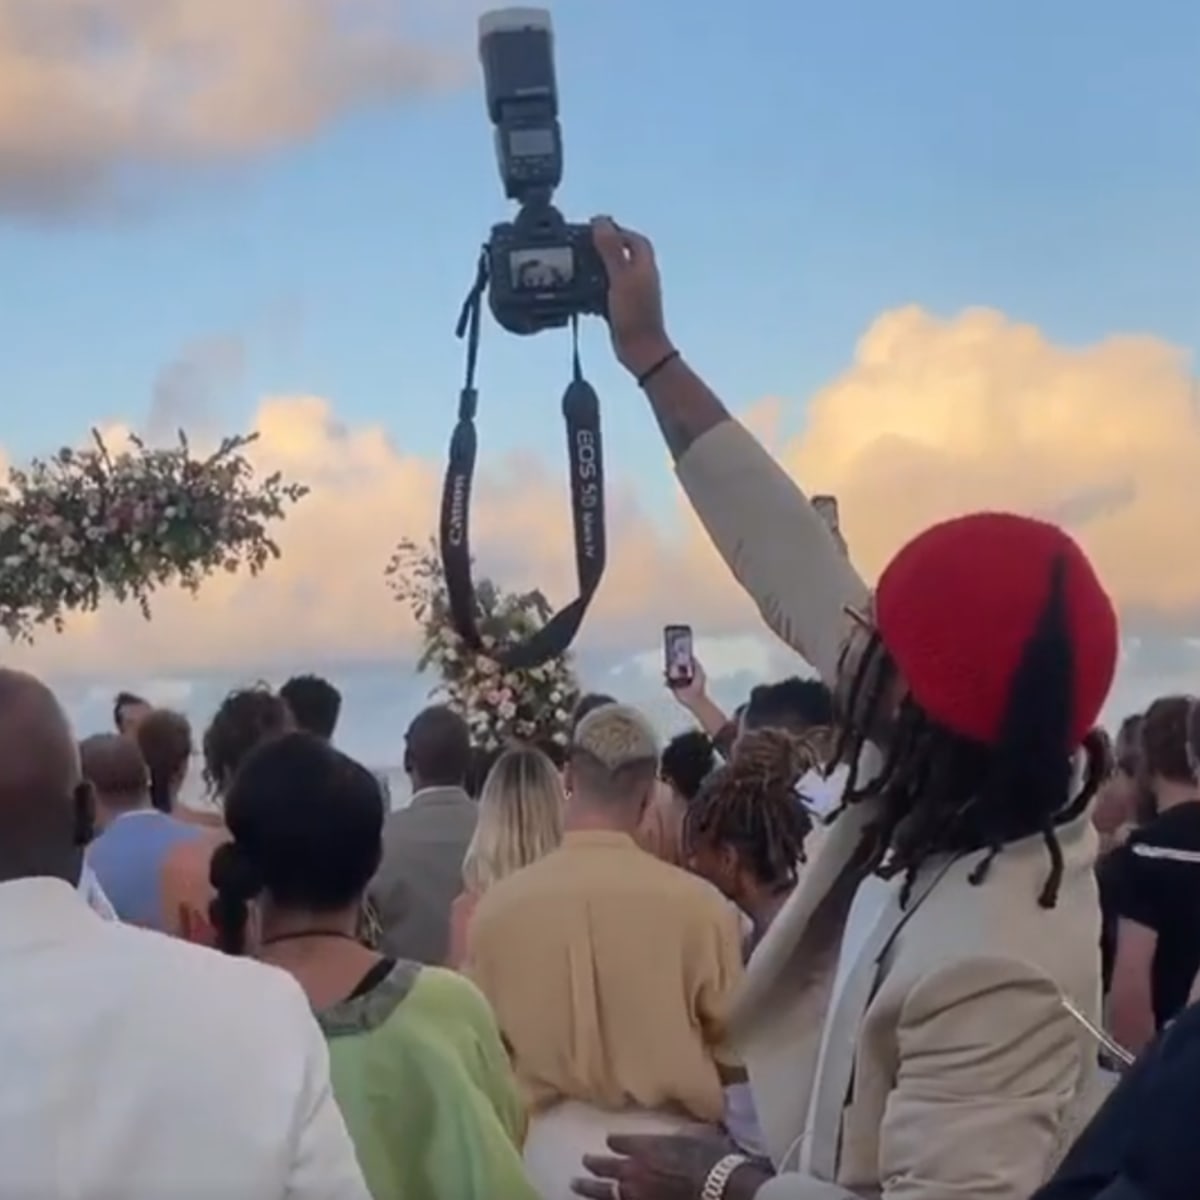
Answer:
[(762, 524)]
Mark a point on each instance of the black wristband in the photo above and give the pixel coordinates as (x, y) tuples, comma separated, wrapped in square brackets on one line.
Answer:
[(650, 372)]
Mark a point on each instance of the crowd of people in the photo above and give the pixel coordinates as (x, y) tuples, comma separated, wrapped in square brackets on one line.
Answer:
[(912, 928)]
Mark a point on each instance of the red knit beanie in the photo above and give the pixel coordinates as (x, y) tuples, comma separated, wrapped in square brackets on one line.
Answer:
[(957, 605)]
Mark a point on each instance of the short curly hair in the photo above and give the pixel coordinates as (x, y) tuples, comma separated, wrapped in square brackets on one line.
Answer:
[(246, 718)]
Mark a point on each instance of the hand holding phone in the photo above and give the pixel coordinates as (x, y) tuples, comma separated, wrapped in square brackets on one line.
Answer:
[(679, 656)]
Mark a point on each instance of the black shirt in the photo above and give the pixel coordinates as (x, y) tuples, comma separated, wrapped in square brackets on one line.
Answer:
[(1154, 879)]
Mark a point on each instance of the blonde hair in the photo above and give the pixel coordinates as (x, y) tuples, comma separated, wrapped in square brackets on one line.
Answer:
[(520, 817)]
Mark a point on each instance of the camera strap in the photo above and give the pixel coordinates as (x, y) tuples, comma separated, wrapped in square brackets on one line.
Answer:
[(581, 414)]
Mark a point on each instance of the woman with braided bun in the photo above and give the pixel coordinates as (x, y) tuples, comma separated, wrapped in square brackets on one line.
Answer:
[(744, 832), (917, 1021), (418, 1067)]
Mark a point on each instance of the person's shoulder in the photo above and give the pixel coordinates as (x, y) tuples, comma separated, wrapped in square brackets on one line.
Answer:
[(514, 894), (190, 976), (450, 994), (1171, 836), (692, 896), (398, 820)]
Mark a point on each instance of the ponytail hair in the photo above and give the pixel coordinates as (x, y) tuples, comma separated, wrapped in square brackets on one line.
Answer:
[(165, 739), (236, 882)]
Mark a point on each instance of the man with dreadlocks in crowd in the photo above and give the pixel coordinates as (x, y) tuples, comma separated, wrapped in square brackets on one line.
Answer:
[(745, 830), (916, 1020)]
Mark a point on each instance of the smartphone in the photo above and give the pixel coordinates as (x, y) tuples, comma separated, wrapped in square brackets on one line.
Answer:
[(826, 507), (678, 655)]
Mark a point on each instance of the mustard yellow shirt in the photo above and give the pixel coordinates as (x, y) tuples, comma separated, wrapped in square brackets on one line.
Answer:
[(610, 973)]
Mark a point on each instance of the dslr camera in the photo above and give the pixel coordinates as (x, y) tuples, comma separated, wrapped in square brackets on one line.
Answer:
[(542, 271)]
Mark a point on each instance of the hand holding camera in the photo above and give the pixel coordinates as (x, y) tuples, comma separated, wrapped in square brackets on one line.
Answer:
[(635, 307), (538, 273)]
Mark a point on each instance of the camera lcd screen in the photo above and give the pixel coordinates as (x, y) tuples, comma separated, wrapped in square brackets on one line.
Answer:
[(542, 269), (530, 143)]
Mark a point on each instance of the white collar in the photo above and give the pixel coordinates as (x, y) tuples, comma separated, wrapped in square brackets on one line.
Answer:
[(439, 792)]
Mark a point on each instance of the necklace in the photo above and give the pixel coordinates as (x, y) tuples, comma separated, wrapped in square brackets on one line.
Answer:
[(310, 933)]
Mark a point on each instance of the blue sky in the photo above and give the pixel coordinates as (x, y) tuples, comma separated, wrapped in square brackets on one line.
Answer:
[(801, 167)]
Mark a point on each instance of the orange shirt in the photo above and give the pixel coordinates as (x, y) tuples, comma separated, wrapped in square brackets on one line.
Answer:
[(186, 892), (609, 972)]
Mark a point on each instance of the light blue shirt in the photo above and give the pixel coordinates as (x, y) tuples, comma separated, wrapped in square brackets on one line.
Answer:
[(127, 860)]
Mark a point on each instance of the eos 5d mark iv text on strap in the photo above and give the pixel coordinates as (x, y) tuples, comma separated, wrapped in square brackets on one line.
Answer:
[(581, 414)]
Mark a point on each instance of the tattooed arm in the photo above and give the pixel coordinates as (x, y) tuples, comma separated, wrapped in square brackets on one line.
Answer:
[(684, 406)]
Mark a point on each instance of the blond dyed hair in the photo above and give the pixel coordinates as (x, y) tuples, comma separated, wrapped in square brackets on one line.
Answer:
[(520, 817)]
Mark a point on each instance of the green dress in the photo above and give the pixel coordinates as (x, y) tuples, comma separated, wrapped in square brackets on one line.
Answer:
[(426, 1090)]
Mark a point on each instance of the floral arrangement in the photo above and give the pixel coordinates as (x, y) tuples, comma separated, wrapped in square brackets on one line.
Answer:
[(89, 523), (499, 705)]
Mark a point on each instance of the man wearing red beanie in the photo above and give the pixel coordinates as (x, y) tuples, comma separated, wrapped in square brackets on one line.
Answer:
[(917, 1023)]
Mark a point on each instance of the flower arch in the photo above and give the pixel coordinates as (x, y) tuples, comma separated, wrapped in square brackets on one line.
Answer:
[(88, 524), (499, 705)]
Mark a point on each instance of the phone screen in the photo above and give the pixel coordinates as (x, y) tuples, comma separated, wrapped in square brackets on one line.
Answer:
[(678, 655)]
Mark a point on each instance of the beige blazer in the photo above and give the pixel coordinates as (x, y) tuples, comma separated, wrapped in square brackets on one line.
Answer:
[(944, 1064)]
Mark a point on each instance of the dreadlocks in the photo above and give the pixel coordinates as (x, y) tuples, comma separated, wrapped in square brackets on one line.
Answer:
[(751, 805), (942, 793)]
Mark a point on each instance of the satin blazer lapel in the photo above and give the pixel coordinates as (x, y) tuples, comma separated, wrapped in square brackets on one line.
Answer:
[(835, 1070)]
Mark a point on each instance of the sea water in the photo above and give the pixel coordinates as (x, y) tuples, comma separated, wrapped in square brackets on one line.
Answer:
[(393, 780)]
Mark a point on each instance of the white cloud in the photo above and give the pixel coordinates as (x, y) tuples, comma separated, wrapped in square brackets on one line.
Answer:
[(944, 416), (90, 89), (934, 417)]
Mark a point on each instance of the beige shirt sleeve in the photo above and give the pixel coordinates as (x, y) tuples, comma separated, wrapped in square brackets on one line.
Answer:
[(776, 544)]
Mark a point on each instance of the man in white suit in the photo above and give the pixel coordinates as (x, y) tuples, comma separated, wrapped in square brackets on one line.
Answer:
[(911, 1022), (136, 1066)]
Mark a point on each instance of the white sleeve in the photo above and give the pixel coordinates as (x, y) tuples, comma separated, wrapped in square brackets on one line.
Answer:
[(324, 1165)]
